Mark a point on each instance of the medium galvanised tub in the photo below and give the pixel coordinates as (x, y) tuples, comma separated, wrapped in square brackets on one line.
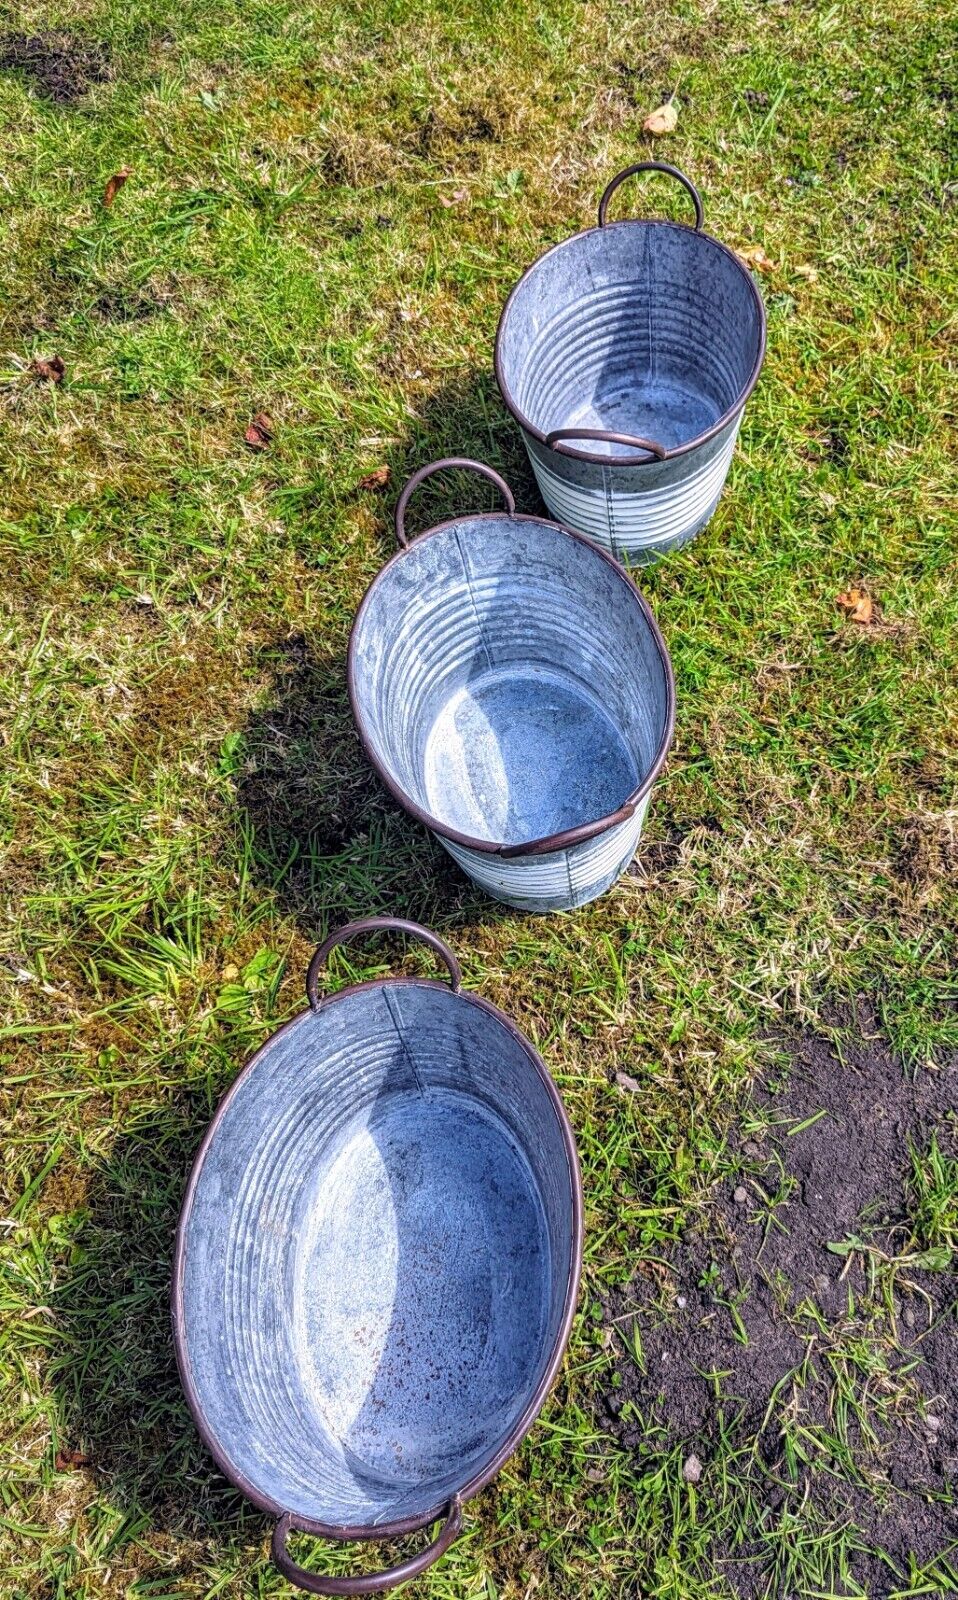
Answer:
[(377, 1262), (512, 690), (626, 354)]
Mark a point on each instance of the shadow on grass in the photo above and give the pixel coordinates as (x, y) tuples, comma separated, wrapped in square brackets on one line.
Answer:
[(318, 829), (120, 1404)]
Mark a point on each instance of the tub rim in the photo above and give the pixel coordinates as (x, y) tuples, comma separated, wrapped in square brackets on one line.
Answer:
[(565, 838), (670, 453)]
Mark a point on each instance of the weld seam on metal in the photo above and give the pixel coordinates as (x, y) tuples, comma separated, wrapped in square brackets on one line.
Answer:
[(610, 512), (650, 281), (396, 1021), (490, 662), (568, 872)]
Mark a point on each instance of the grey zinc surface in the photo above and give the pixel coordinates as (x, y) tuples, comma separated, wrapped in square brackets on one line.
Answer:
[(652, 329), (510, 684), (378, 1258)]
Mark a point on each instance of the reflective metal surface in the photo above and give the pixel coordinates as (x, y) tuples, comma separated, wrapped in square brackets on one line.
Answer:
[(514, 693), (626, 354), (377, 1260)]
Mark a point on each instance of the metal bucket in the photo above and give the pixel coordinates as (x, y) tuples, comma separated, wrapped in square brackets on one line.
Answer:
[(512, 690), (626, 354), (377, 1262)]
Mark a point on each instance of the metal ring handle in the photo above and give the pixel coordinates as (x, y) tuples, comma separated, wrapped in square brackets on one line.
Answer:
[(654, 166), (651, 445), (440, 466), (569, 836), (354, 930), (368, 1582)]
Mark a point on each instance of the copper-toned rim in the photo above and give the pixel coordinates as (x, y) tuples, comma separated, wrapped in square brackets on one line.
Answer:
[(566, 837), (380, 1530), (671, 453)]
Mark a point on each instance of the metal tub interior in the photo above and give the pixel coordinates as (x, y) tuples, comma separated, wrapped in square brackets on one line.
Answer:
[(645, 328), (379, 1256), (508, 680)]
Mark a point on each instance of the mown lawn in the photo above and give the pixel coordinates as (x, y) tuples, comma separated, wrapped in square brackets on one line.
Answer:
[(325, 209)]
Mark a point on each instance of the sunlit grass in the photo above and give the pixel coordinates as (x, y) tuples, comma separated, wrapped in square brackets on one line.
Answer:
[(325, 211)]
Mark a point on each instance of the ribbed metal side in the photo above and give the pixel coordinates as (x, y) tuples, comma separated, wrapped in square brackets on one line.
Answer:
[(510, 683), (559, 881), (345, 1246), (647, 330), (637, 518)]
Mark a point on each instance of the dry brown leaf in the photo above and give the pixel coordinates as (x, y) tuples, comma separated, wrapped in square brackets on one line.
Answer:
[(69, 1460), (754, 256), (50, 368), (859, 607), (114, 185), (664, 119), (375, 480), (260, 431)]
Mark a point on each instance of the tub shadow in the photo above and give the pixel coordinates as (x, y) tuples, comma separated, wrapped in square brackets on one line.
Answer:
[(318, 829), (464, 417), (122, 1415)]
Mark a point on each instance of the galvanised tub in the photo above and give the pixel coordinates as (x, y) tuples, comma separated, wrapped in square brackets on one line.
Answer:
[(377, 1262), (512, 690), (626, 354)]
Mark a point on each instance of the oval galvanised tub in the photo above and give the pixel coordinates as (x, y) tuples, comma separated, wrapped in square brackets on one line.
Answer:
[(377, 1262), (514, 693)]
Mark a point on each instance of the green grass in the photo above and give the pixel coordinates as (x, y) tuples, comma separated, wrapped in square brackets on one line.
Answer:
[(185, 807)]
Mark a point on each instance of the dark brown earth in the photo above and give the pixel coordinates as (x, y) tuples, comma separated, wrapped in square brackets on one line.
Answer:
[(62, 65), (843, 1175)]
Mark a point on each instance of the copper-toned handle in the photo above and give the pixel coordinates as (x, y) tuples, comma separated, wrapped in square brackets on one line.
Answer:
[(440, 466), (355, 930), (369, 1582), (554, 440), (570, 836), (654, 166)]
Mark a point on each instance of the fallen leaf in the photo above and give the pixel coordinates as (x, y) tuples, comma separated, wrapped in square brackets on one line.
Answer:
[(625, 1082), (49, 367), (375, 480), (69, 1460), (859, 606), (454, 199), (808, 273), (114, 185), (664, 119), (260, 431), (754, 256)]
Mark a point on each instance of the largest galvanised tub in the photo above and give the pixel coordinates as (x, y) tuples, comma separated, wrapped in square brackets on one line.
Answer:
[(513, 691), (377, 1262), (626, 354)]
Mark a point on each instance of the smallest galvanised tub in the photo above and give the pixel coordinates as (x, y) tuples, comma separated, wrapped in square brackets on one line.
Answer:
[(626, 355), (512, 690)]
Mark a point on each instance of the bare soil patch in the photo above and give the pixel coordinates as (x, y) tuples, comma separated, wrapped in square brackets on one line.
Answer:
[(62, 65), (841, 1369)]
